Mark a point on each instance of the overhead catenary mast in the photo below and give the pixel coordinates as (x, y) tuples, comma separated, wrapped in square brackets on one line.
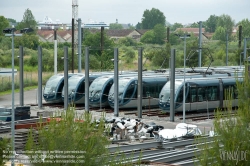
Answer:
[(74, 29)]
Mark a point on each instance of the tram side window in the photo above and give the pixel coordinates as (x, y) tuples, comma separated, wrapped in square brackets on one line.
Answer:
[(150, 91), (193, 94), (129, 92), (201, 94), (212, 93)]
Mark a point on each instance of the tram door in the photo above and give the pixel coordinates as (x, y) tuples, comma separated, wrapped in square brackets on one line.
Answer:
[(201, 98), (191, 98)]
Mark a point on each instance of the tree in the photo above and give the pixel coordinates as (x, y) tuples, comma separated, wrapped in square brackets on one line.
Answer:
[(160, 34), (156, 36), (211, 23), (4, 23), (85, 141), (245, 23), (11, 20), (127, 41), (28, 41), (115, 26), (226, 22), (148, 37), (194, 25), (103, 56), (4, 150), (220, 34), (175, 26), (138, 25), (152, 17), (28, 21), (127, 54)]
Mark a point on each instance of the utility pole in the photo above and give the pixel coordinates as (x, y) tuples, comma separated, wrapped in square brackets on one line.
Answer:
[(74, 29), (200, 43)]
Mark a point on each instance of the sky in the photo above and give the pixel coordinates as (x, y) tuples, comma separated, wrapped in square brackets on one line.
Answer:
[(126, 11)]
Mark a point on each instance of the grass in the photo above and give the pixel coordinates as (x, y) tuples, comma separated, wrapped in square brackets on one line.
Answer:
[(17, 90)]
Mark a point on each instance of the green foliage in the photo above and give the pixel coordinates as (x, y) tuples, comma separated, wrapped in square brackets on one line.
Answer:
[(5, 43), (245, 23), (11, 20), (148, 37), (103, 56), (175, 26), (4, 23), (28, 41), (115, 26), (160, 34), (211, 24), (159, 56), (226, 22), (127, 41), (194, 25), (28, 21), (127, 54), (4, 150), (173, 39), (151, 18), (72, 133), (220, 34), (138, 25), (156, 36)]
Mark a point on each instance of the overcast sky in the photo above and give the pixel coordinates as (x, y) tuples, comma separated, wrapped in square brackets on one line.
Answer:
[(126, 11)]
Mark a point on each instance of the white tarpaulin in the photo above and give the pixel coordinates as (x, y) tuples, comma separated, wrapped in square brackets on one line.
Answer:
[(181, 130)]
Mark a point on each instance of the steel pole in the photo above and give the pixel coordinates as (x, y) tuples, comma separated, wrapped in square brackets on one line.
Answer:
[(39, 77), (66, 78), (79, 46), (227, 50), (200, 42), (245, 48), (13, 100), (116, 83), (184, 86), (87, 79), (55, 52), (172, 86), (139, 85), (21, 74)]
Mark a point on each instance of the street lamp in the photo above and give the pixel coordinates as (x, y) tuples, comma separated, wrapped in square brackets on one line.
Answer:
[(10, 32), (184, 87)]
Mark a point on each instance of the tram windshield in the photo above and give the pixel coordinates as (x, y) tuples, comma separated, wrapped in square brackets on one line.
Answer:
[(98, 83), (165, 92), (52, 83), (122, 84), (72, 83)]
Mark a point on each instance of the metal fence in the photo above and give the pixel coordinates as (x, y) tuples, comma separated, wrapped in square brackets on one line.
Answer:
[(29, 79)]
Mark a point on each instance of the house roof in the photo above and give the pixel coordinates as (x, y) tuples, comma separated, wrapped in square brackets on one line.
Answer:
[(190, 30), (142, 31), (46, 34), (119, 32)]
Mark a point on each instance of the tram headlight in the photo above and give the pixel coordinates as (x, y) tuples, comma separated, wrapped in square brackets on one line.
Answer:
[(53, 90), (72, 93), (120, 96), (97, 95)]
